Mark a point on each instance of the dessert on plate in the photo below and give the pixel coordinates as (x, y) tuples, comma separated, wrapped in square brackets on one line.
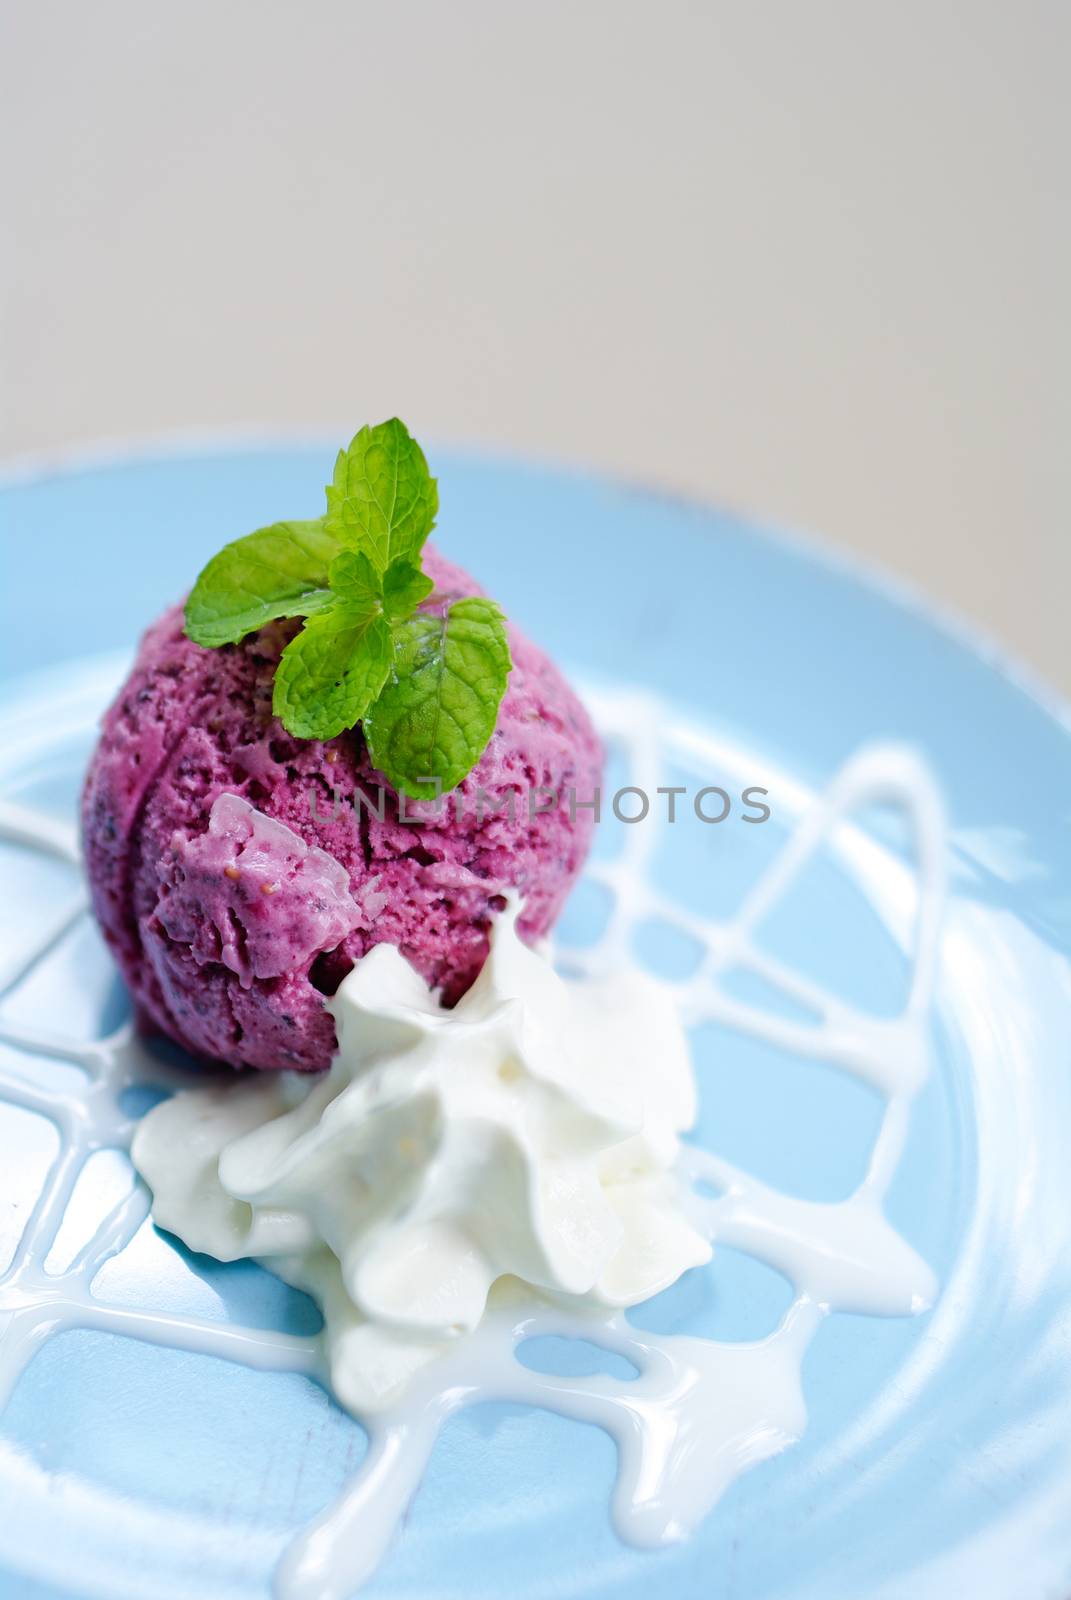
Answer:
[(333, 814), (333, 803)]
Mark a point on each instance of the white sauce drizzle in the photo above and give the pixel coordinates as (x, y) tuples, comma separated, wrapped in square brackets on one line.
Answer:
[(742, 1402)]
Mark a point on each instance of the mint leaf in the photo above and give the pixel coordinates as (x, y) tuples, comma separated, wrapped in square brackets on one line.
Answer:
[(439, 707), (331, 672), (383, 501), (404, 587), (356, 580), (399, 590), (279, 571), (427, 685)]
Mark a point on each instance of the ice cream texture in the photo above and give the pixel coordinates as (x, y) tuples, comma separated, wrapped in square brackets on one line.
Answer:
[(238, 873)]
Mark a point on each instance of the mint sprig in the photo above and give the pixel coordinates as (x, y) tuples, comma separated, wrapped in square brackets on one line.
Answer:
[(426, 683)]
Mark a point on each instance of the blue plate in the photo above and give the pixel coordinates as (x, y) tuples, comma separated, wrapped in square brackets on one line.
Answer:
[(938, 1452)]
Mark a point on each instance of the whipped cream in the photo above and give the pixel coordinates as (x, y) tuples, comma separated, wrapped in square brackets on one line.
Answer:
[(525, 1138)]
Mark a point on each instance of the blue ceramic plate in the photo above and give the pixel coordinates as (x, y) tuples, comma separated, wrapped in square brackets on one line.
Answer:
[(938, 1453)]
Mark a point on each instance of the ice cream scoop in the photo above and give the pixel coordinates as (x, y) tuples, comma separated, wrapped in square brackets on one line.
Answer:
[(230, 936)]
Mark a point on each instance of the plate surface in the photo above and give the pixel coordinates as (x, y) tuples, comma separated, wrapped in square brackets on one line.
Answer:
[(938, 1451)]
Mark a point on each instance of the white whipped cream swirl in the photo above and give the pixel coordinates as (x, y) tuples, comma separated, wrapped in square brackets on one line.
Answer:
[(528, 1134)]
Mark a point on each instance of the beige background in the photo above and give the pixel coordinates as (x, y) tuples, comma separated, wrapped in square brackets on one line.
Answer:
[(810, 258)]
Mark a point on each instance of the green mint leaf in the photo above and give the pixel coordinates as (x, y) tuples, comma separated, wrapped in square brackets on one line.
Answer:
[(426, 685), (399, 590), (332, 671), (281, 571), (383, 500), (355, 580), (439, 707), (404, 587)]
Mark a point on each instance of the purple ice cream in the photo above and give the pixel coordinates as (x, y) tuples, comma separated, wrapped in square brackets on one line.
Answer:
[(237, 882)]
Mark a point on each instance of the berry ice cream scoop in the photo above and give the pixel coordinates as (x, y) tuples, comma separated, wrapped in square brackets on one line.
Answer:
[(239, 869)]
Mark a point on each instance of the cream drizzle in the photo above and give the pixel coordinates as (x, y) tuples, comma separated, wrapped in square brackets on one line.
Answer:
[(742, 1402)]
